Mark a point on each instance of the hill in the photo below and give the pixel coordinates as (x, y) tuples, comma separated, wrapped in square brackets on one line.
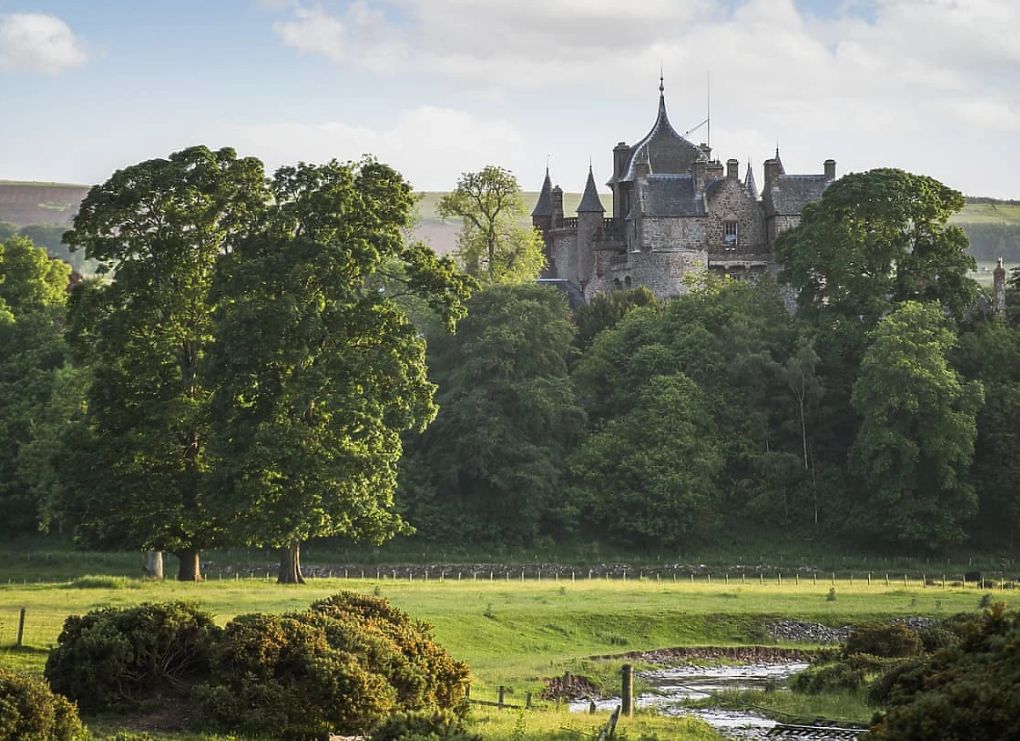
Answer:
[(993, 226)]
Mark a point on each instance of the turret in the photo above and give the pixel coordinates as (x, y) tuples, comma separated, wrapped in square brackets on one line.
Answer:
[(541, 216), (590, 214)]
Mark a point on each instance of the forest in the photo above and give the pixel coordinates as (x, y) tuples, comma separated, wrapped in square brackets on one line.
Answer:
[(267, 360)]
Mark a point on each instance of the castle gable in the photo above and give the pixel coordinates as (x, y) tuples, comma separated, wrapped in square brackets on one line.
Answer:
[(667, 152)]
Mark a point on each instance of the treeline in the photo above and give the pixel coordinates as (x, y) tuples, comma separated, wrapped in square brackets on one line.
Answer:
[(51, 238), (992, 241), (884, 409)]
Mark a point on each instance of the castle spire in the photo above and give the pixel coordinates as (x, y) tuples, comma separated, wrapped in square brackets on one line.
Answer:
[(590, 200), (749, 183), (543, 207)]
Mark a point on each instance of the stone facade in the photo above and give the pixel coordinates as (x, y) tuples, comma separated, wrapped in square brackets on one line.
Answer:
[(676, 212)]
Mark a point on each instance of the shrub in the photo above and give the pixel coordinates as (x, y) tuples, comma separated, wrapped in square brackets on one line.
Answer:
[(850, 673), (31, 711), (341, 666), (111, 659), (880, 639), (437, 725)]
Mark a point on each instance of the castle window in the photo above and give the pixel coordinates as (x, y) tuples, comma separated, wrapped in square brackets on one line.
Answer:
[(729, 238)]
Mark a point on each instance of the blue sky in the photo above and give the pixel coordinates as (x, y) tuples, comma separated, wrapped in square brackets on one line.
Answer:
[(437, 87)]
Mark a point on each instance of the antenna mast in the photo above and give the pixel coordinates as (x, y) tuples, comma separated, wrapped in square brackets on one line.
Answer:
[(708, 107)]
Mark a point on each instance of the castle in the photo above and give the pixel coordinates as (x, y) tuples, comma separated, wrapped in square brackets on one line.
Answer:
[(676, 212)]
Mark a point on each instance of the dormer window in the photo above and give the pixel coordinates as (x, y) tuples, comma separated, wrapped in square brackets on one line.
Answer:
[(730, 235)]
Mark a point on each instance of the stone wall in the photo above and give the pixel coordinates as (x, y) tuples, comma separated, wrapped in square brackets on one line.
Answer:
[(563, 250), (729, 200), (671, 233)]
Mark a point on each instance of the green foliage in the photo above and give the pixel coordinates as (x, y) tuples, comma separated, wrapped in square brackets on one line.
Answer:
[(115, 658), (492, 245), (605, 310), (490, 467), (876, 239), (965, 691), (342, 666), (30, 711), (316, 371), (916, 439), (887, 640), (33, 290), (437, 725), (663, 461)]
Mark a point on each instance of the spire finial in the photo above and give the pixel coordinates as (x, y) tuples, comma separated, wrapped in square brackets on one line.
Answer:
[(662, 87)]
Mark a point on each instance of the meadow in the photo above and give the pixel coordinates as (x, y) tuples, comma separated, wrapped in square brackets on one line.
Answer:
[(515, 633)]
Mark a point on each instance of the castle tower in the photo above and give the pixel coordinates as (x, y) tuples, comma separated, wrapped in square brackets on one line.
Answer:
[(541, 216), (749, 184), (590, 214), (999, 289)]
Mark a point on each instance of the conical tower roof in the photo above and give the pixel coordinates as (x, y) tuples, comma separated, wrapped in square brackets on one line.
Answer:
[(590, 200), (543, 207), (749, 183)]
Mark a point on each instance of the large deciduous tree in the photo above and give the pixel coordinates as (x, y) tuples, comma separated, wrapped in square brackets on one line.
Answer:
[(158, 229), (493, 245), (316, 367), (916, 440), (33, 292)]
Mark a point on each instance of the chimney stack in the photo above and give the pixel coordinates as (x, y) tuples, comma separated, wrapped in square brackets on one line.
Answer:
[(557, 206), (698, 168), (771, 173), (732, 168), (999, 289), (830, 169)]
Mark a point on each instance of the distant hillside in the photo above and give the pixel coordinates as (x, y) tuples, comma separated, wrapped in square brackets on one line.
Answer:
[(993, 226), (24, 204)]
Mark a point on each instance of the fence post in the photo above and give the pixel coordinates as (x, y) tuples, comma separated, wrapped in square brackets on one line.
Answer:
[(499, 702), (628, 690), (527, 701), (21, 627)]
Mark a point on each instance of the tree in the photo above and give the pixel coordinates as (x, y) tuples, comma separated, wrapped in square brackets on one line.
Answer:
[(490, 467), (605, 310), (916, 440), (876, 239), (158, 229), (317, 371), (33, 291), (652, 474), (493, 245)]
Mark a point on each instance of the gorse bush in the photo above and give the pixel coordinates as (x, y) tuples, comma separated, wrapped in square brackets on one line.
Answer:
[(31, 711), (437, 725), (341, 666), (111, 659), (894, 640)]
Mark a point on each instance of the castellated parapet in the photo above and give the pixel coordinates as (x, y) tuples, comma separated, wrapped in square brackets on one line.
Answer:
[(677, 212)]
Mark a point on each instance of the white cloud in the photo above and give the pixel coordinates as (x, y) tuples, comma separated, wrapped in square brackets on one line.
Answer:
[(429, 145), (360, 37), (38, 42)]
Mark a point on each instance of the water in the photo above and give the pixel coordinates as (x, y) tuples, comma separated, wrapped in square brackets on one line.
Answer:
[(674, 685)]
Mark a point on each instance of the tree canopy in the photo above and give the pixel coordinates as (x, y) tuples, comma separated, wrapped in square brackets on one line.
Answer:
[(493, 245)]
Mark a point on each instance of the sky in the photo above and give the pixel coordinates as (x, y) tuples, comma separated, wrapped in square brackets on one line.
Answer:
[(439, 87)]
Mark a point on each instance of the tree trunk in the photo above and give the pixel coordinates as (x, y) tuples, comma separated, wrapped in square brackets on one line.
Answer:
[(290, 565), (153, 565), (190, 568)]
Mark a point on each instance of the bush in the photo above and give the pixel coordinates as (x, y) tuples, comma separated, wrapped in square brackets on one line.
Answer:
[(111, 659), (849, 673), (439, 725), (31, 711), (341, 666), (880, 639)]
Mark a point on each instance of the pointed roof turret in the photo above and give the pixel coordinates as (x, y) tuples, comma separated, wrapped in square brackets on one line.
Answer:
[(590, 200), (543, 207), (779, 162), (666, 151), (749, 183)]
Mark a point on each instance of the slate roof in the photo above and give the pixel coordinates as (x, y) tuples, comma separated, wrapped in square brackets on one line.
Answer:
[(791, 193), (671, 195), (667, 151), (543, 207), (590, 200)]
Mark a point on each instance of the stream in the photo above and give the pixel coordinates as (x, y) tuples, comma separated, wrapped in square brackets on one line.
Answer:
[(673, 685)]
